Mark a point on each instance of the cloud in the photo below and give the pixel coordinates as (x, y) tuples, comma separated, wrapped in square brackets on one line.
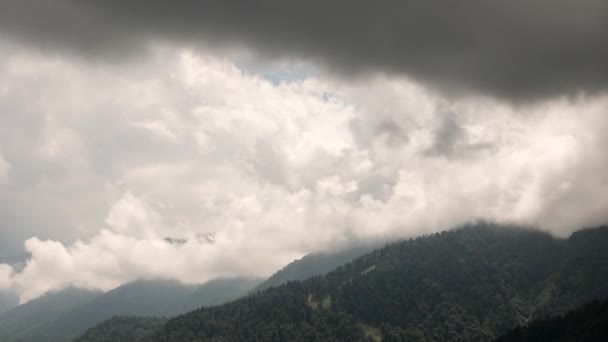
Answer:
[(4, 168), (520, 50), (5, 276), (187, 146)]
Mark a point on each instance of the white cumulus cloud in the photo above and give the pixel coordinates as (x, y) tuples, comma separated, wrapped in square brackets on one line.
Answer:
[(248, 174)]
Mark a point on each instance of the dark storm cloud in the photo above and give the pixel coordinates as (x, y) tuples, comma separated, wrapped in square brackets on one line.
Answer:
[(451, 140), (517, 49)]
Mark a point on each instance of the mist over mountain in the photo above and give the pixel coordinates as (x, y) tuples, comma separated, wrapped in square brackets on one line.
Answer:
[(33, 321), (64, 315), (150, 299), (130, 328), (8, 300)]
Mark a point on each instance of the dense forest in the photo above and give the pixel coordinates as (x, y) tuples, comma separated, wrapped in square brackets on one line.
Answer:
[(586, 324), (123, 329), (474, 283)]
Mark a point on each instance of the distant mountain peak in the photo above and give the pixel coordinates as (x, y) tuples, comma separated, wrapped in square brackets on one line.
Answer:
[(175, 241), (203, 238)]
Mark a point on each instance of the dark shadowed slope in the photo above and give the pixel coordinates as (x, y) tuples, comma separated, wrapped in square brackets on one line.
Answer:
[(471, 284), (586, 324)]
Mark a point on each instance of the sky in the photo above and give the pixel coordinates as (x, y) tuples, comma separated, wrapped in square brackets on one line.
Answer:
[(191, 140)]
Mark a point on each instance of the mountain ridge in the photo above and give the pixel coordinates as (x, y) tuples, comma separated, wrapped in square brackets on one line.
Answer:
[(66, 314), (473, 284)]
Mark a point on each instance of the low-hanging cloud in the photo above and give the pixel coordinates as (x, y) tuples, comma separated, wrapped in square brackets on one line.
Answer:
[(243, 175), (519, 50)]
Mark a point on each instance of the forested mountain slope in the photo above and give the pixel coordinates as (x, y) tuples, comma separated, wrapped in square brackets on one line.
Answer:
[(315, 264), (127, 328), (123, 329), (471, 284)]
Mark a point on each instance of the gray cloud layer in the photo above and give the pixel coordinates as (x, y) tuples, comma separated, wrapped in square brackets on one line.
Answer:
[(518, 49)]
